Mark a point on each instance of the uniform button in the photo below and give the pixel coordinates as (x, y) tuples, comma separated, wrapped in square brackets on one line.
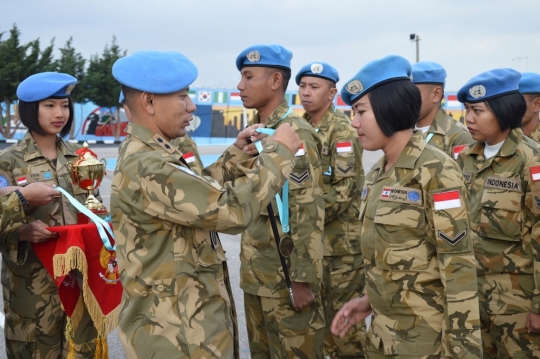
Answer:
[(304, 275), (456, 349), (270, 147), (318, 275), (12, 247), (160, 288), (144, 294), (16, 209)]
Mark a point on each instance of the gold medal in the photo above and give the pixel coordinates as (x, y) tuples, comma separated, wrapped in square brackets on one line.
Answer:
[(286, 246)]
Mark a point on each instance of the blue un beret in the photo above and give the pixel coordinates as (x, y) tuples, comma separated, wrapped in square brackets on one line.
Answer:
[(265, 56), (427, 72), (158, 72), (45, 85), (529, 83), (318, 69), (490, 84), (375, 73)]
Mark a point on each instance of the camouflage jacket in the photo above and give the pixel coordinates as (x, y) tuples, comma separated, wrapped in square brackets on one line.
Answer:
[(164, 214), (343, 178), (417, 249), (505, 209), (535, 135), (449, 135), (261, 272), (11, 213), (190, 153), (23, 164)]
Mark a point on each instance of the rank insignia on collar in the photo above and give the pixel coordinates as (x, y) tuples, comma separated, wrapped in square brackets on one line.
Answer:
[(163, 144), (450, 240)]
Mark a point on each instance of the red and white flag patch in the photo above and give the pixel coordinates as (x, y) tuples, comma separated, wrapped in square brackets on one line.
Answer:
[(22, 180), (300, 152), (344, 147), (188, 157), (457, 150), (446, 200), (386, 192), (535, 173)]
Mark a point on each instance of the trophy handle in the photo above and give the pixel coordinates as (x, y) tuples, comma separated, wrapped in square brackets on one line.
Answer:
[(104, 161), (71, 171)]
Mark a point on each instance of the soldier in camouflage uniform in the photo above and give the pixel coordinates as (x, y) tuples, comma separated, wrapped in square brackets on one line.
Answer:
[(502, 170), (439, 129), (416, 238), (177, 299), (12, 208), (529, 87), (343, 178), (276, 327), (35, 321)]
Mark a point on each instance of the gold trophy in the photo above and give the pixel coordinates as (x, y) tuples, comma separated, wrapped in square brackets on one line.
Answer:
[(87, 172)]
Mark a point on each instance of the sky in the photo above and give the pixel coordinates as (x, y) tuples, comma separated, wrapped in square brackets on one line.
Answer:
[(467, 37)]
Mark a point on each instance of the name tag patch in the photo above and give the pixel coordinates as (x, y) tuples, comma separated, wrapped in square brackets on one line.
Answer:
[(401, 194), (509, 184)]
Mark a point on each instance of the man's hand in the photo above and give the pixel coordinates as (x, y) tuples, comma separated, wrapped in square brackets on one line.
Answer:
[(288, 136), (35, 232), (533, 323), (351, 313), (303, 296), (39, 194), (247, 137)]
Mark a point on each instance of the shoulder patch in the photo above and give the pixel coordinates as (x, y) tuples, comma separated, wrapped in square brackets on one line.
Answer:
[(509, 184), (189, 157), (535, 173), (450, 240), (401, 194), (4, 182), (301, 151), (299, 178), (164, 144), (457, 149), (446, 200), (344, 147)]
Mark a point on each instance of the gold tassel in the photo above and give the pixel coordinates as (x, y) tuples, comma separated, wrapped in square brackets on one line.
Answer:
[(97, 354), (105, 348), (69, 337)]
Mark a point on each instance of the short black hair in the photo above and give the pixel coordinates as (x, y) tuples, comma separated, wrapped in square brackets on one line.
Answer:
[(29, 115), (509, 110), (396, 105), (128, 93)]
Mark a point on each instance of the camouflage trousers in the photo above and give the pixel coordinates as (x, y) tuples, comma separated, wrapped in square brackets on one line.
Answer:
[(196, 321), (343, 280), (35, 326), (505, 302), (375, 353), (277, 331)]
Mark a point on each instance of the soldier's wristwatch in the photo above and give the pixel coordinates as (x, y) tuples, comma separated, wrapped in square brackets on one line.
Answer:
[(21, 197)]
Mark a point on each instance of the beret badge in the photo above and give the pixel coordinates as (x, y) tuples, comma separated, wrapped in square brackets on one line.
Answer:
[(253, 56), (354, 87), (69, 89), (477, 91), (317, 68)]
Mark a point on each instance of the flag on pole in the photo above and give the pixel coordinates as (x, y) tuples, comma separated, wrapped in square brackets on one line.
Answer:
[(220, 97), (205, 96)]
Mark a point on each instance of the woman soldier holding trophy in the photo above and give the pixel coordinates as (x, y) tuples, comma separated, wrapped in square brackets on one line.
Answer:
[(35, 321)]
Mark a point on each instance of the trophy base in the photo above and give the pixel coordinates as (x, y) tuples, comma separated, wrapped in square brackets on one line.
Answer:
[(83, 219)]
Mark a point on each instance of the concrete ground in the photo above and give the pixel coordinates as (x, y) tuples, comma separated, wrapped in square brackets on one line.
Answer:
[(231, 244)]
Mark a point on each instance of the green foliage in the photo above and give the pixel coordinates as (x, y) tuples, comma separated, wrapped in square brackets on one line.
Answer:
[(72, 62)]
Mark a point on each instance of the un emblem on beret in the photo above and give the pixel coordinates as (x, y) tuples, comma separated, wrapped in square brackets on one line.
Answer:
[(477, 91), (354, 87), (253, 56), (69, 89), (317, 68)]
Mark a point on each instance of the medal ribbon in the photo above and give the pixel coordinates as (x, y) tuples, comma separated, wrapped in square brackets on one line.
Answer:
[(102, 226), (429, 136)]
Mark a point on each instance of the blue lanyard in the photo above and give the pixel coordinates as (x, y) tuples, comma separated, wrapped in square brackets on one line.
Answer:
[(102, 226), (429, 136), (283, 206)]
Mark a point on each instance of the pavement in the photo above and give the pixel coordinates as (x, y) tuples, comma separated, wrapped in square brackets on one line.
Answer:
[(230, 243)]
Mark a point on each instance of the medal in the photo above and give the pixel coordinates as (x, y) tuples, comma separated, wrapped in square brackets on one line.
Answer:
[(286, 246)]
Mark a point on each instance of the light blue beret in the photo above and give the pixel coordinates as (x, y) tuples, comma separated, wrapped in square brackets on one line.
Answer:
[(121, 97), (529, 83), (375, 73), (318, 69), (45, 85), (158, 72), (427, 72), (265, 56), (490, 84)]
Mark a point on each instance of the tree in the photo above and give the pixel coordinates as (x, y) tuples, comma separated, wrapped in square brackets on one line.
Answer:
[(17, 62), (100, 86)]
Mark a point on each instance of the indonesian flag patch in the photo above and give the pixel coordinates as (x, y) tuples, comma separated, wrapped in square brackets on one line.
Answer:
[(386, 192), (22, 180), (344, 147), (300, 152), (446, 200), (535, 173), (188, 157), (457, 150)]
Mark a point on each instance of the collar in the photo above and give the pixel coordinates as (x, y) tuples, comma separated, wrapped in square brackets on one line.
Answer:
[(437, 126), (408, 157), (275, 117), (32, 150), (326, 119), (509, 147), (149, 137)]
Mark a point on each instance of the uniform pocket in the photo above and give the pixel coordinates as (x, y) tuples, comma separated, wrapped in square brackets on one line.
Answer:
[(501, 216), (207, 251), (401, 234)]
